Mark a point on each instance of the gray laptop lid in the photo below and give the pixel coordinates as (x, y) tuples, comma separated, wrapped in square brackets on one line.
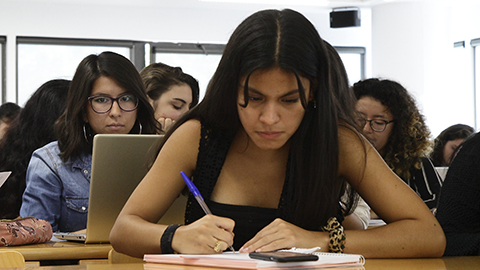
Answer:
[(119, 163)]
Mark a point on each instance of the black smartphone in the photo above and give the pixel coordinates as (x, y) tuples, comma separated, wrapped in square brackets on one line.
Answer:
[(283, 256)]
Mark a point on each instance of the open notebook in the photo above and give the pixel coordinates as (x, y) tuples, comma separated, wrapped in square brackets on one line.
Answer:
[(238, 260), (119, 163)]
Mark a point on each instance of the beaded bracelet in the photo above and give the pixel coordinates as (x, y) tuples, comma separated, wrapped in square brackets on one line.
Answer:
[(336, 234), (166, 240)]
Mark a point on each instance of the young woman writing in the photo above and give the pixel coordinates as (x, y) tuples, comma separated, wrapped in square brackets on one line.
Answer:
[(271, 150)]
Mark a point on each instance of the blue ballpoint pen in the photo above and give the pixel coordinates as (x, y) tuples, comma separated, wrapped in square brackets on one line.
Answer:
[(198, 197)]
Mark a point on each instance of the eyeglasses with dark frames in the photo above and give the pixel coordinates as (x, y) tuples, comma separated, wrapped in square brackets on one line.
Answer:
[(377, 125), (103, 104)]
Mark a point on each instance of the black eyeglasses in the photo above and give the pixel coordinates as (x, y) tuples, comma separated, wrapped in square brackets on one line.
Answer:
[(377, 125), (103, 104)]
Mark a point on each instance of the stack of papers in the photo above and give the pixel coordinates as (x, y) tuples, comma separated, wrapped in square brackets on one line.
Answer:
[(243, 261)]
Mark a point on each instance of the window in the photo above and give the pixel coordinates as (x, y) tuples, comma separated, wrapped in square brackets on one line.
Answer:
[(197, 60), (353, 59), (201, 60), (43, 59), (2, 69), (476, 67)]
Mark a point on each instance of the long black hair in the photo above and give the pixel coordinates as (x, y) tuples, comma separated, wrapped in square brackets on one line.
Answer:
[(285, 39), (8, 112), (32, 129)]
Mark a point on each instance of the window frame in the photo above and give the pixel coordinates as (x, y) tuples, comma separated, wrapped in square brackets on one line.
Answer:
[(355, 50), (211, 48), (137, 48), (3, 68), (476, 87), (186, 48)]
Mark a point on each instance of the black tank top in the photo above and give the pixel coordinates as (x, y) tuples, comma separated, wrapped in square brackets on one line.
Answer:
[(249, 220)]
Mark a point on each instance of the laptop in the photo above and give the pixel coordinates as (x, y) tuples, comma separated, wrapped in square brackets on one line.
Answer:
[(119, 163)]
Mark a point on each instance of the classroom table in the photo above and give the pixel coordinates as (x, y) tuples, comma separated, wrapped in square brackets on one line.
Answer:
[(447, 263), (62, 250)]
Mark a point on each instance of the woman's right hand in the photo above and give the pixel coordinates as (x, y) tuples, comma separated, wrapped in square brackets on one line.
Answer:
[(201, 236)]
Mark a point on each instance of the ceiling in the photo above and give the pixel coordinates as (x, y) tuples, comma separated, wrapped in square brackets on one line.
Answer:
[(217, 3)]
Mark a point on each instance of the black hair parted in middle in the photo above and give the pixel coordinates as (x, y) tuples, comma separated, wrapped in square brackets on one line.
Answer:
[(285, 39)]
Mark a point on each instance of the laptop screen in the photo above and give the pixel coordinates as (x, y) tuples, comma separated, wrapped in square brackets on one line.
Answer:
[(119, 163)]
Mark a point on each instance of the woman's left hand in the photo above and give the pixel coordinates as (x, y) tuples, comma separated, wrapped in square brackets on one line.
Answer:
[(280, 235), (165, 123)]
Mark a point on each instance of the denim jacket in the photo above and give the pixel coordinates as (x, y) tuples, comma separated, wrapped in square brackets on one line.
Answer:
[(57, 191)]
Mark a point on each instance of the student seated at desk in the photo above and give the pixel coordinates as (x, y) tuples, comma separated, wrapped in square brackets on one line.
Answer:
[(271, 150), (447, 142), (396, 128), (33, 128), (106, 96), (170, 91), (459, 207)]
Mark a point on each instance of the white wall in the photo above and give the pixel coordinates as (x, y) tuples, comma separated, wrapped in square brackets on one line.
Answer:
[(146, 20), (412, 43), (408, 41)]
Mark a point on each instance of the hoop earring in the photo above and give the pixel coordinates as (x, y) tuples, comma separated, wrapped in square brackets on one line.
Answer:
[(140, 127), (85, 133)]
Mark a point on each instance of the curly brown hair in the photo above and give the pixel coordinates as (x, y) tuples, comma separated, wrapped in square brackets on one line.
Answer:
[(409, 141)]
